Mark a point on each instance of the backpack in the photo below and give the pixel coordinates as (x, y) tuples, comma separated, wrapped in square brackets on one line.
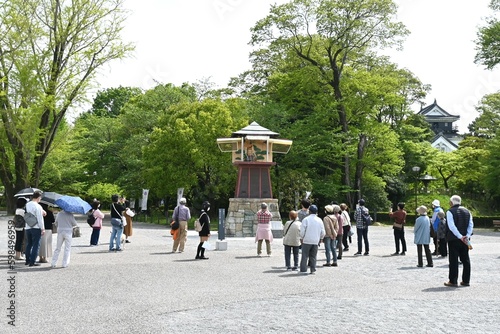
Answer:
[(367, 220), (19, 221), (197, 225), (30, 219), (91, 218)]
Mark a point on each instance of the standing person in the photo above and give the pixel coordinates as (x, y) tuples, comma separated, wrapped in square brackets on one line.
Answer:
[(65, 222), (182, 214), (340, 233), (116, 224), (346, 225), (128, 213), (46, 240), (205, 230), (399, 227), (291, 240), (34, 234), (436, 206), (423, 236), (331, 227), (441, 234), (96, 228), (312, 231), (460, 226), (264, 229), (304, 210), (361, 227), (19, 227)]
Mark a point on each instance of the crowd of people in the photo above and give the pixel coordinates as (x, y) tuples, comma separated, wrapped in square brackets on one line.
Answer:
[(34, 223), (450, 231), (303, 233)]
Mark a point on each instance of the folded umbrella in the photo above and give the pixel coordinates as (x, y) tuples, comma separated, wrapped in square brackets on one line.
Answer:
[(26, 192), (73, 204), (50, 197)]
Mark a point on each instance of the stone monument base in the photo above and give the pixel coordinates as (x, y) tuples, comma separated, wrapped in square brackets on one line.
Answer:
[(241, 218), (221, 245)]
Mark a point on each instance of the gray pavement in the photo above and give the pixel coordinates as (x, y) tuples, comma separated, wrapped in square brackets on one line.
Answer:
[(146, 289)]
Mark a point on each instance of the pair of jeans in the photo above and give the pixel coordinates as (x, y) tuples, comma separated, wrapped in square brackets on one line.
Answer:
[(457, 249), (94, 238), (399, 236), (288, 252), (116, 234), (309, 254), (338, 246), (363, 235), (33, 236), (330, 247)]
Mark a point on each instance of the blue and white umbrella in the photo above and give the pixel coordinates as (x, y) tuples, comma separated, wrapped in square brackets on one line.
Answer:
[(73, 204)]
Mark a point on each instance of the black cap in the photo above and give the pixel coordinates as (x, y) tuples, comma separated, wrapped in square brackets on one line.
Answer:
[(313, 209)]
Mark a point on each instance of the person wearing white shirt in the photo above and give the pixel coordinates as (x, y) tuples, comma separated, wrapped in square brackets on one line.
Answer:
[(34, 234), (312, 232), (65, 222)]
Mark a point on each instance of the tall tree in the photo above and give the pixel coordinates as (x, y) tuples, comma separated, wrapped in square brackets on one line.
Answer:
[(50, 51), (487, 124), (328, 35), (488, 40), (183, 152)]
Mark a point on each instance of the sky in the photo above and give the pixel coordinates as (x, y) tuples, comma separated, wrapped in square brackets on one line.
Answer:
[(193, 40)]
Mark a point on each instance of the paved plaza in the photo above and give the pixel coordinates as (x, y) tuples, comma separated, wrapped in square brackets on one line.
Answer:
[(147, 289)]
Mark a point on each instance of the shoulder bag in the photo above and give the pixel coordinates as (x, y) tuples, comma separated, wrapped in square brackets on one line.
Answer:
[(123, 219)]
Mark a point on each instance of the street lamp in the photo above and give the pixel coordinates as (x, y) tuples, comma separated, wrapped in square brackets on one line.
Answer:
[(416, 170)]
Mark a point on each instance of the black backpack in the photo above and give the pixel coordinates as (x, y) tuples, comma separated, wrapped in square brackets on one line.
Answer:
[(19, 221), (91, 219), (367, 219)]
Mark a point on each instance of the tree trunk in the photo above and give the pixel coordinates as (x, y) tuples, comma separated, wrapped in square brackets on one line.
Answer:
[(358, 177)]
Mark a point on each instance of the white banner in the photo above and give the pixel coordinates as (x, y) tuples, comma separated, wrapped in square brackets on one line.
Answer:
[(180, 193), (144, 201)]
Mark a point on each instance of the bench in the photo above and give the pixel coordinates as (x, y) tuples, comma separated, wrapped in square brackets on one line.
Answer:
[(496, 224)]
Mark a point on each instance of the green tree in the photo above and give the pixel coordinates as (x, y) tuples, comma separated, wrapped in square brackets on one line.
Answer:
[(50, 52), (487, 124), (488, 40), (327, 35), (183, 152), (109, 102)]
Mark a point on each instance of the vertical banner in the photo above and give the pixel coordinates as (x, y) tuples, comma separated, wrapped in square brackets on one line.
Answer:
[(144, 201), (180, 193)]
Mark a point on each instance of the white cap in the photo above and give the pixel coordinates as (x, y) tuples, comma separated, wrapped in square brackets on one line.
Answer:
[(182, 201), (436, 202)]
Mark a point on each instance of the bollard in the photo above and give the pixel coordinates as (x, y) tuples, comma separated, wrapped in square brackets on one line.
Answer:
[(221, 244)]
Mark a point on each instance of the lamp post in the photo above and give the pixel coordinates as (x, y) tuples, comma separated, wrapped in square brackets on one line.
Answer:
[(416, 170)]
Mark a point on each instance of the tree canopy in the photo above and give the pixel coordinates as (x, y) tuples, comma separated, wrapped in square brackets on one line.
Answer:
[(50, 51)]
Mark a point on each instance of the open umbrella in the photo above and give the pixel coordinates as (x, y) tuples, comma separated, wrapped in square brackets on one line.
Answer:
[(26, 192), (50, 197), (73, 204)]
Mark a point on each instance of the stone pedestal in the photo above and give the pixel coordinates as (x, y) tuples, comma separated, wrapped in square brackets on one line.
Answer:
[(221, 245), (241, 218)]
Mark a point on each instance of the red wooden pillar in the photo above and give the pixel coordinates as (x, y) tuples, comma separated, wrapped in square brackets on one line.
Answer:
[(254, 180)]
